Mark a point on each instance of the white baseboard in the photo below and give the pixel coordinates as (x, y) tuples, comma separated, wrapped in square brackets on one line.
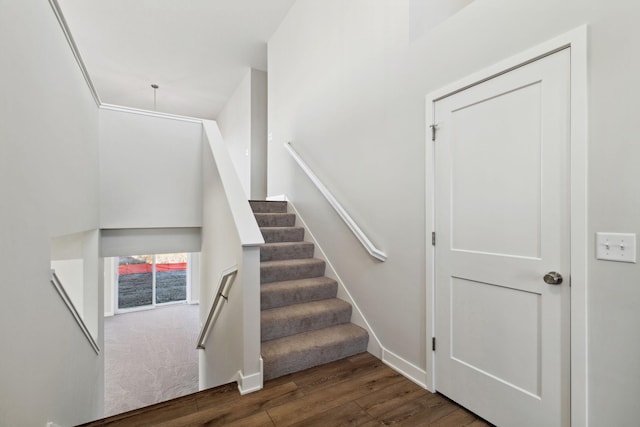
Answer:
[(277, 198), (407, 369), (375, 347), (250, 383), (357, 317)]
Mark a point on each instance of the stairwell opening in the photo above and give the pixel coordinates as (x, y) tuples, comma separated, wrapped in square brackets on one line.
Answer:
[(150, 331)]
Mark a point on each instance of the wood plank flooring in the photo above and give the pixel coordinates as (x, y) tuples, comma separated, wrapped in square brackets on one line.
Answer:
[(357, 391)]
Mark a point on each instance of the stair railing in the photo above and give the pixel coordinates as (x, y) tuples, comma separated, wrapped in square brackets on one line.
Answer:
[(357, 231), (55, 281), (224, 287)]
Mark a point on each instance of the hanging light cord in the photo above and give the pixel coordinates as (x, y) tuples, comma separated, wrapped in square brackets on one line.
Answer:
[(155, 87)]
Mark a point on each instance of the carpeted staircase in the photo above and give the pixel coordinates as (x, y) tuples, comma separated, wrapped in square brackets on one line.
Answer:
[(303, 324)]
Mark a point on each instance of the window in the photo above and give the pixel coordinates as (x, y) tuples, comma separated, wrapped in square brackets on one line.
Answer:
[(145, 281)]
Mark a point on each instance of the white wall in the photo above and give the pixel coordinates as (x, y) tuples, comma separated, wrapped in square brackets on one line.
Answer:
[(140, 241), (235, 125), (67, 259), (150, 171), (258, 135), (243, 124), (230, 238), (110, 276), (347, 85), (71, 275), (48, 188)]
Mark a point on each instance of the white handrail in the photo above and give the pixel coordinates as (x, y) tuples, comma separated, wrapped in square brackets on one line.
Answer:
[(370, 247), (246, 224), (55, 281), (226, 280)]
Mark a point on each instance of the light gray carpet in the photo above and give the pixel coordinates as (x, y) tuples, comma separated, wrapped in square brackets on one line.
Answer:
[(150, 357), (303, 324)]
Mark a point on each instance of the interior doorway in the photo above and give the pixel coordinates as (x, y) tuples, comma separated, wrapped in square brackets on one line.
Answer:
[(502, 217), (464, 289)]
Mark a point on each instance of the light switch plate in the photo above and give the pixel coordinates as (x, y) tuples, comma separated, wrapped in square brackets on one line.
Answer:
[(616, 247)]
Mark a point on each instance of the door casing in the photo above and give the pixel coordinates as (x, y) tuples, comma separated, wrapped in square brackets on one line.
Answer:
[(576, 40)]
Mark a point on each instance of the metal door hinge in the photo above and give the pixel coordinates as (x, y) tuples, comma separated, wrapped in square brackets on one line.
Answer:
[(433, 131), (433, 343), (433, 238)]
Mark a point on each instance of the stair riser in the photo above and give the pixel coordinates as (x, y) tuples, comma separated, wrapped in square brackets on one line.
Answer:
[(274, 299), (275, 220), (282, 235), (268, 207), (279, 328), (276, 253), (278, 273), (299, 361)]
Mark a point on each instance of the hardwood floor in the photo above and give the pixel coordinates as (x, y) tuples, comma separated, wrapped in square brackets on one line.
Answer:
[(357, 391)]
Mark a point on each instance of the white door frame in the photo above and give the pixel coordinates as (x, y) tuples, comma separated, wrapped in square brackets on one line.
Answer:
[(577, 41)]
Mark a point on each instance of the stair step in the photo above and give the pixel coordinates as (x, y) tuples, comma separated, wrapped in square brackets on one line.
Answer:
[(286, 250), (298, 352), (298, 318), (282, 234), (263, 206), (275, 219), (278, 294), (291, 269)]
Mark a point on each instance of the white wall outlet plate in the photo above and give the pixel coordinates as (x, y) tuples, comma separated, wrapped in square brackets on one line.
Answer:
[(616, 246)]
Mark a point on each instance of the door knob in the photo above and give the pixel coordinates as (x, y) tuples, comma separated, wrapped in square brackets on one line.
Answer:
[(553, 278)]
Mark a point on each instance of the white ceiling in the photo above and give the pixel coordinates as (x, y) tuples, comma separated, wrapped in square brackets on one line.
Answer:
[(197, 51)]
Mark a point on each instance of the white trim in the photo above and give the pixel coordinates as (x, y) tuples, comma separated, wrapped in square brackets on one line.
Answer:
[(74, 49), (368, 245), (250, 383), (189, 272), (404, 367), (57, 10), (579, 227), (577, 41), (375, 346), (143, 112)]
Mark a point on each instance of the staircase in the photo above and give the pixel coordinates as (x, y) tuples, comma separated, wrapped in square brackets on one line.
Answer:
[(303, 324)]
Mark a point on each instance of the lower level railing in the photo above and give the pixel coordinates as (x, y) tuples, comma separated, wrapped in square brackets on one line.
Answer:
[(224, 286), (55, 281)]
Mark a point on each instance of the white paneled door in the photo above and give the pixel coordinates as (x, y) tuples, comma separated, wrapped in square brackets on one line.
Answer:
[(502, 226)]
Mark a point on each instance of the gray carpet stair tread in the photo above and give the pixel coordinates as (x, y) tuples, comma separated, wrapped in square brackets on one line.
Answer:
[(286, 250), (282, 234), (297, 352), (291, 269), (278, 294), (267, 206), (275, 219), (303, 324), (295, 319)]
